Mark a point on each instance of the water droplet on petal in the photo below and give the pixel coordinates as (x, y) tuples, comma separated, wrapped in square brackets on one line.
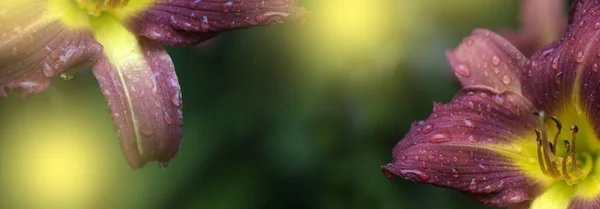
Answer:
[(414, 175), (483, 168), (455, 159), (579, 57), (455, 173), (463, 70), (499, 99), (428, 128), (506, 79), (439, 138), (558, 77), (147, 130), (473, 185), (595, 67), (495, 60), (555, 63), (597, 26)]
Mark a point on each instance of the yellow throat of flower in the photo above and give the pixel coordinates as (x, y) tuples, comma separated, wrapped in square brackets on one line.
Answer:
[(563, 160), (96, 7), (77, 14)]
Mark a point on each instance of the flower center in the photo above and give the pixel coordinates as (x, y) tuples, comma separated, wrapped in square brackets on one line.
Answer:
[(96, 7), (568, 165)]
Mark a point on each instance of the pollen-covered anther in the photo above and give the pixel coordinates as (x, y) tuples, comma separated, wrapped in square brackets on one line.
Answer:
[(564, 167), (96, 7)]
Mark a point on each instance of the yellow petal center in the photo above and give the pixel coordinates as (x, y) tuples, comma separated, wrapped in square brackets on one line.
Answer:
[(96, 7), (77, 14)]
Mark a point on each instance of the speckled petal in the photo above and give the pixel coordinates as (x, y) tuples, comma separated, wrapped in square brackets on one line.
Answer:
[(486, 59), (188, 22), (35, 48), (145, 104), (464, 145)]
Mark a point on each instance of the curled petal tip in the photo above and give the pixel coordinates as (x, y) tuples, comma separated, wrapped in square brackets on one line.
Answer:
[(144, 98)]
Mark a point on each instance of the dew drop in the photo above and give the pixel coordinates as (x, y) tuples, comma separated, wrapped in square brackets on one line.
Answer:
[(463, 70), (147, 130), (506, 79), (595, 67), (473, 185), (428, 128), (439, 138), (455, 159), (67, 76), (597, 26), (555, 63), (579, 57), (558, 77), (483, 168), (455, 173), (441, 157), (168, 119), (163, 165), (496, 70), (414, 175), (498, 99), (495, 60), (468, 123)]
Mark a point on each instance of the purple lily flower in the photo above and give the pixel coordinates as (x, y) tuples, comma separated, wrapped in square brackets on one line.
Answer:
[(487, 143), (122, 40)]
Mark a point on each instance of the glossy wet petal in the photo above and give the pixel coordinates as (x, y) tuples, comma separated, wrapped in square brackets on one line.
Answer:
[(542, 22), (145, 105), (138, 80), (468, 145), (36, 47), (188, 22), (486, 59), (565, 73)]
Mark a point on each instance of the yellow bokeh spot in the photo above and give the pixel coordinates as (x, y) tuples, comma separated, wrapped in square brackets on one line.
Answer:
[(53, 160)]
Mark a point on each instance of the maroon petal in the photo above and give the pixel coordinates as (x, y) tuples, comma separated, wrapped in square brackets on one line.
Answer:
[(34, 51), (453, 148), (542, 22), (580, 203), (565, 73), (145, 103), (188, 22), (486, 59)]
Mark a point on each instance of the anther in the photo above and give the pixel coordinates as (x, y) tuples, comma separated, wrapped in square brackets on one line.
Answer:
[(558, 127)]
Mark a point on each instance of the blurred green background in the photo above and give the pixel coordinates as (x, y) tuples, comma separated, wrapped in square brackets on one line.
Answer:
[(288, 116)]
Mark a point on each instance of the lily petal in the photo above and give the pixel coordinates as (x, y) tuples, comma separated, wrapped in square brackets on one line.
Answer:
[(464, 145), (485, 58), (565, 73), (144, 99), (35, 47), (185, 22), (542, 22)]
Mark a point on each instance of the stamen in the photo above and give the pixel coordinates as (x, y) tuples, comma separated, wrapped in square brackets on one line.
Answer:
[(564, 161), (574, 129), (558, 127), (539, 151), (549, 157)]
